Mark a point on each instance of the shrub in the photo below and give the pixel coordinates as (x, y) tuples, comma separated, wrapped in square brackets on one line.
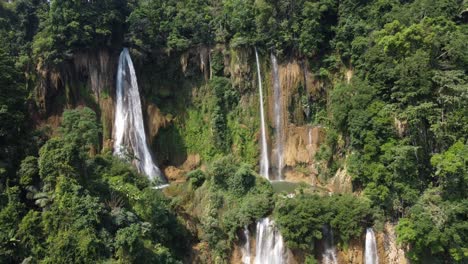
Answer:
[(196, 178)]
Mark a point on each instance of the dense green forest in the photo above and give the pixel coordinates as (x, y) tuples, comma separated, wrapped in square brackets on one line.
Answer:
[(399, 127)]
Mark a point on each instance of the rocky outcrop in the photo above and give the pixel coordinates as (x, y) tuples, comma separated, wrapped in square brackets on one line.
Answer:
[(354, 254), (341, 182), (302, 143), (93, 70), (49, 86), (236, 255), (154, 121), (238, 65), (86, 79), (307, 175), (290, 76), (98, 68), (200, 253), (349, 75), (389, 251), (296, 80), (192, 162), (401, 126), (175, 174), (107, 120), (198, 57)]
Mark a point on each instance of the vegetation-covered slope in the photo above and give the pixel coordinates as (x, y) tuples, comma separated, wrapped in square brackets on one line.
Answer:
[(397, 125)]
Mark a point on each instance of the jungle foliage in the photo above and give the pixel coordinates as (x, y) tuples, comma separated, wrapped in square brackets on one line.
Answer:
[(398, 126)]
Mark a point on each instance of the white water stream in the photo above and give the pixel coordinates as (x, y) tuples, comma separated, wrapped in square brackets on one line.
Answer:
[(270, 246), (264, 163), (371, 256), (129, 134), (278, 113)]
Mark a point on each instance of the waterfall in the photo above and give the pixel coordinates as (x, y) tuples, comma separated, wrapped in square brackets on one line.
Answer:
[(310, 136), (264, 164), (278, 116), (371, 248), (329, 254), (130, 137), (270, 247), (246, 247)]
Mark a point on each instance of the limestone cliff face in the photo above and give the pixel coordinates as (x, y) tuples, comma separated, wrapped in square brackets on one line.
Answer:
[(389, 251), (240, 67), (302, 143), (354, 254), (155, 120), (341, 182), (291, 257), (199, 57), (87, 79), (236, 255), (107, 121)]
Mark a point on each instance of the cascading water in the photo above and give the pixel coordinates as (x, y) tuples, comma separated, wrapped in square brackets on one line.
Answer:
[(371, 256), (264, 164), (310, 136), (278, 116), (329, 253), (270, 246), (129, 136), (246, 255)]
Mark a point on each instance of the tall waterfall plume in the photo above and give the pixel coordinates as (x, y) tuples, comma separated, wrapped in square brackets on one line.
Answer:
[(270, 246), (371, 256), (264, 163), (278, 111), (246, 255), (329, 255), (129, 134), (310, 136)]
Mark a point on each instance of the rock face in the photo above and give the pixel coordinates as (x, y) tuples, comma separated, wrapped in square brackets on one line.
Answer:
[(302, 143), (154, 120), (175, 174), (290, 77), (389, 251), (193, 161), (349, 75), (236, 255), (200, 254), (401, 126), (94, 70), (107, 120), (354, 254), (87, 79), (341, 182)]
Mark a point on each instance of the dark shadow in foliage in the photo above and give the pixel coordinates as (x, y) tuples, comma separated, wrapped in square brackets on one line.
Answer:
[(196, 178), (170, 147)]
